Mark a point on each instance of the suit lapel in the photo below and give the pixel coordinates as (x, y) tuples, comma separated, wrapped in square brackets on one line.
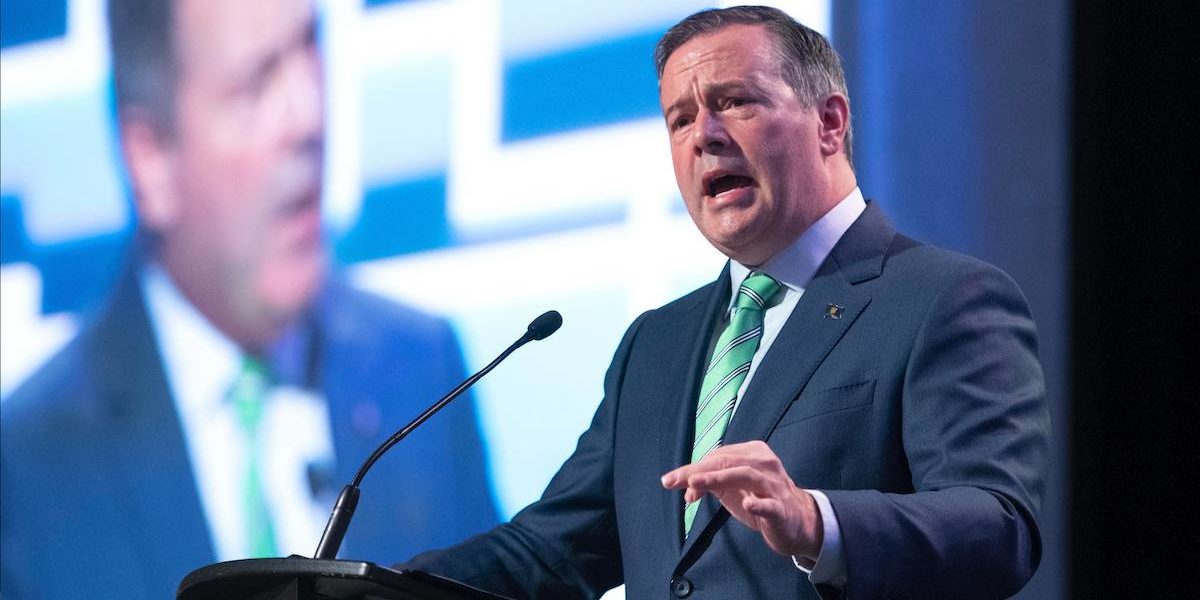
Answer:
[(692, 326), (152, 474), (354, 384), (807, 337), (349, 382), (829, 306)]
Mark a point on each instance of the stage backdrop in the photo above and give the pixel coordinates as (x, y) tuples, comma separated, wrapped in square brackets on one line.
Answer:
[(513, 151)]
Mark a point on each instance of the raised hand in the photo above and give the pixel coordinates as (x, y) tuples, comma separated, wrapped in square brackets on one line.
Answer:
[(750, 482)]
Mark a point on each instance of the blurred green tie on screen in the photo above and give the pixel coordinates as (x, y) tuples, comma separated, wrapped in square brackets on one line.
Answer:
[(249, 396)]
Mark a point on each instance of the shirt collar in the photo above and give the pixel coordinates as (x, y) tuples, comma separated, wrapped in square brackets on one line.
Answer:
[(795, 265)]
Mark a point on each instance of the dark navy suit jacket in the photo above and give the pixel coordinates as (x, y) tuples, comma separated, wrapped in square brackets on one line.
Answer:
[(919, 410), (97, 497)]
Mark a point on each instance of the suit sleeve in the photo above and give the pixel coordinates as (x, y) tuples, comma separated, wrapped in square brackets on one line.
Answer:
[(975, 433), (565, 545)]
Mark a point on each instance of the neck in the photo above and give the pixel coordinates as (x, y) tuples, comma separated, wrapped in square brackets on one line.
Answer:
[(236, 316)]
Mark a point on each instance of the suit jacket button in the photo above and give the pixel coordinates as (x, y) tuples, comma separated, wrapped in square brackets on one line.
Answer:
[(681, 587)]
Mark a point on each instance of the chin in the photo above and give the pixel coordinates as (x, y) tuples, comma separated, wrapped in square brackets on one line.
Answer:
[(736, 237), (286, 290), (747, 249)]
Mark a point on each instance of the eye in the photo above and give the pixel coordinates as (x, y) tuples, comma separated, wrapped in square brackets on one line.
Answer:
[(254, 84), (680, 123), (253, 87), (734, 102)]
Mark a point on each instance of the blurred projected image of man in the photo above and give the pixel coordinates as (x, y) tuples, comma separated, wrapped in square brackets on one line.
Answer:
[(230, 386)]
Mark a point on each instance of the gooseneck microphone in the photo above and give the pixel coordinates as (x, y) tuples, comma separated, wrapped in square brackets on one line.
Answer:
[(343, 509)]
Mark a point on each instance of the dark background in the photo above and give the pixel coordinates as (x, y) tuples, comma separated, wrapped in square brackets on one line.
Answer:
[(1133, 391)]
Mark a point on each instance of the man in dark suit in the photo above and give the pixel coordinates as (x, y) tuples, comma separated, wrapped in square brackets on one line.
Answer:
[(214, 407), (856, 414)]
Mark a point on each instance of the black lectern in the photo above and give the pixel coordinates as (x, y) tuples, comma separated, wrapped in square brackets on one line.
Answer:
[(300, 578)]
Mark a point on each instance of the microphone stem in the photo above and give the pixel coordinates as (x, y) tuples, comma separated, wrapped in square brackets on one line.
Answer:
[(343, 511), (429, 412), (339, 522)]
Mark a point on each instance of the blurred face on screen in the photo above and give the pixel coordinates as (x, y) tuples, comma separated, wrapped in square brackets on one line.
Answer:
[(751, 159), (237, 207)]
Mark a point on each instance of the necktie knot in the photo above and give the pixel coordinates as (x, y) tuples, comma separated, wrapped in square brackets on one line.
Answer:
[(756, 291)]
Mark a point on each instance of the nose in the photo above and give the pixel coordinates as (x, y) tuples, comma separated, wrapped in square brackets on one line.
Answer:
[(709, 134)]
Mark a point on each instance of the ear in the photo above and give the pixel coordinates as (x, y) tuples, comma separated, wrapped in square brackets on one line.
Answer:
[(149, 157), (834, 113)]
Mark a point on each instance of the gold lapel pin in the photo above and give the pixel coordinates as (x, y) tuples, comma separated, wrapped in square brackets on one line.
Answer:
[(834, 311)]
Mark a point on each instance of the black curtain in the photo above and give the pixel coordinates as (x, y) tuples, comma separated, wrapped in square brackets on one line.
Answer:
[(1134, 139)]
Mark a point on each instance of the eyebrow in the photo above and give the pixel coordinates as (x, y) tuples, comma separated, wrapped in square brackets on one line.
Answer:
[(720, 88), (676, 105), (306, 35)]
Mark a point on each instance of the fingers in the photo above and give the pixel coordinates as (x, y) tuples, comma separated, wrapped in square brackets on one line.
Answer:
[(741, 478), (750, 481), (732, 472), (754, 454)]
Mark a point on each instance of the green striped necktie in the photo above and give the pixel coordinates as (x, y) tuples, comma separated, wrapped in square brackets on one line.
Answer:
[(249, 395), (727, 370)]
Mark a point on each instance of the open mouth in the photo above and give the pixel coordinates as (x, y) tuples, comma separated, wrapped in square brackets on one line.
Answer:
[(724, 183)]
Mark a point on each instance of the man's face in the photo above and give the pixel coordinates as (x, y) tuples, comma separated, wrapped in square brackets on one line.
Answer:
[(246, 156), (746, 150)]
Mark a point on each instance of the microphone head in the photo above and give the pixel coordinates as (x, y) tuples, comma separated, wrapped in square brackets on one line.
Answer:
[(543, 326)]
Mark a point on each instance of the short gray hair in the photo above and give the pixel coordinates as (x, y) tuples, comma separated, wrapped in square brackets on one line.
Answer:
[(810, 65)]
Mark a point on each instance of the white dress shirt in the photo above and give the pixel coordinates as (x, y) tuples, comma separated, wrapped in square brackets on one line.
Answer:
[(200, 365), (794, 268)]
